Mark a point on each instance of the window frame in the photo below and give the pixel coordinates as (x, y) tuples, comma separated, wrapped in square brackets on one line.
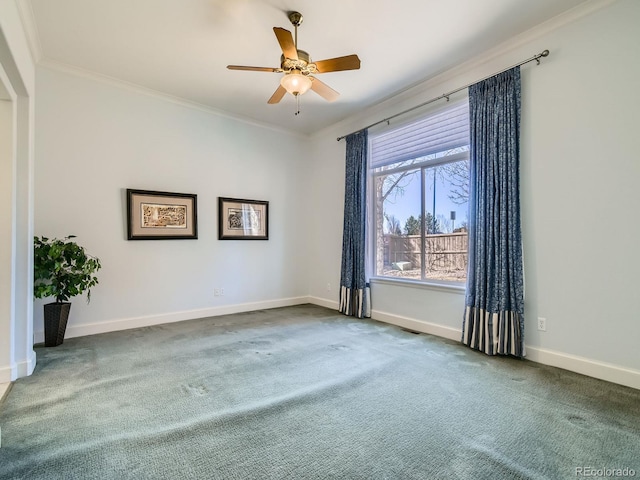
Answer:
[(421, 167)]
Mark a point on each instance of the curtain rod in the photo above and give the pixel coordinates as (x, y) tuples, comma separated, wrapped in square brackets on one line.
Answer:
[(536, 58)]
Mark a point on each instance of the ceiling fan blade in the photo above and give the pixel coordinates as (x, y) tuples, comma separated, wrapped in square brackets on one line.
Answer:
[(350, 62), (285, 39), (277, 95), (324, 90), (253, 69)]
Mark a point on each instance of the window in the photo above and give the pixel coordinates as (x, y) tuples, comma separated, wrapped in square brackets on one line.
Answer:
[(420, 190)]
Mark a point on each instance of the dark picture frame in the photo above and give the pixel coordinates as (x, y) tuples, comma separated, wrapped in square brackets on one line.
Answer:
[(153, 215), (241, 219)]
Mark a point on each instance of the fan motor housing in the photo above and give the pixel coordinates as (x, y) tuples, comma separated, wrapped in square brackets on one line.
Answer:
[(300, 64)]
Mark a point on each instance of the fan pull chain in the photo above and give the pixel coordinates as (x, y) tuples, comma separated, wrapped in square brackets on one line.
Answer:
[(297, 104)]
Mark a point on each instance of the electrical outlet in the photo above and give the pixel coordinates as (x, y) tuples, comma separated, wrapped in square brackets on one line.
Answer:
[(328, 287), (222, 292), (542, 324)]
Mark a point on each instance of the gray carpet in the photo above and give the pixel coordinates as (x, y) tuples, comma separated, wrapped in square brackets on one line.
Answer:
[(305, 393)]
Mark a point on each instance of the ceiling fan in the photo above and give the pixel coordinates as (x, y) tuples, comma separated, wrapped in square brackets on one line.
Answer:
[(298, 68)]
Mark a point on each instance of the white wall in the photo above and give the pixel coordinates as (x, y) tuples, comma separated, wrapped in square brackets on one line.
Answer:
[(96, 139), (17, 357), (579, 175), (7, 229)]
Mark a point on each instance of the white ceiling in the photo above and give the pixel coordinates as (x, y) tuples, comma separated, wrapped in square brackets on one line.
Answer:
[(182, 47)]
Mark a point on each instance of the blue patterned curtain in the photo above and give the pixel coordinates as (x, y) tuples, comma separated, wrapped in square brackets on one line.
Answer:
[(494, 313), (354, 290)]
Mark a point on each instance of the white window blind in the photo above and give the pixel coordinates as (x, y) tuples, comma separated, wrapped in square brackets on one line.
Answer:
[(438, 132)]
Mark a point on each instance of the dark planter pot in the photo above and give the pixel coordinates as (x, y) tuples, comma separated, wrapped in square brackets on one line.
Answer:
[(55, 323)]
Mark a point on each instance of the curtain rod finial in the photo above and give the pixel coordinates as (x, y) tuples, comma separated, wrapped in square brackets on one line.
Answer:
[(545, 53)]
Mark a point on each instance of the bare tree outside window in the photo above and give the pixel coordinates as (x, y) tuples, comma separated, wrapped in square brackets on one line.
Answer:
[(399, 223), (457, 175)]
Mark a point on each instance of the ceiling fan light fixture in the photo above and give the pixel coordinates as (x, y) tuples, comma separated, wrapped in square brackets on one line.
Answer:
[(295, 83), (299, 71)]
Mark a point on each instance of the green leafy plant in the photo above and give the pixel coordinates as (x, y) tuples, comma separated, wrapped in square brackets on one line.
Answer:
[(62, 269)]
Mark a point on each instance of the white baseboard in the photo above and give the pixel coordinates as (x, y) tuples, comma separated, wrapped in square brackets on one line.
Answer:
[(25, 367), (18, 369), (418, 325), (150, 320), (404, 322), (585, 366), (323, 302)]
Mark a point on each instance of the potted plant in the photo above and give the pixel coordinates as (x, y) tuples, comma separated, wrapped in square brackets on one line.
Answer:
[(61, 269)]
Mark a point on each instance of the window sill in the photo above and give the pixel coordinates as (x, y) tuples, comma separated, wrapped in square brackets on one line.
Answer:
[(449, 287)]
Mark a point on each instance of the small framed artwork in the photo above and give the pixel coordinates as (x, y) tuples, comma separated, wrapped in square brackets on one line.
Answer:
[(240, 219), (161, 215)]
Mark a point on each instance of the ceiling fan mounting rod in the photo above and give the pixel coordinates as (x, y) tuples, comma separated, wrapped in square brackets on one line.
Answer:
[(296, 20)]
